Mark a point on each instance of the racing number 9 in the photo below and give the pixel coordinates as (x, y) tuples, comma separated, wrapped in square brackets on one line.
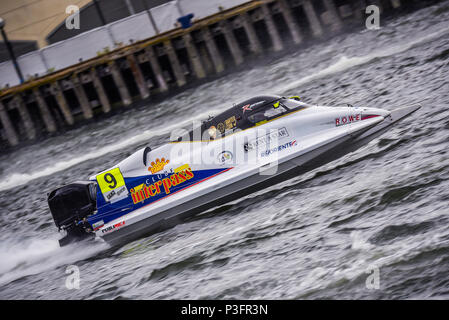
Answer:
[(109, 178)]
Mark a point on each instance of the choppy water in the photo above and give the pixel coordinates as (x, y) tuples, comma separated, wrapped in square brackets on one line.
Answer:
[(320, 235)]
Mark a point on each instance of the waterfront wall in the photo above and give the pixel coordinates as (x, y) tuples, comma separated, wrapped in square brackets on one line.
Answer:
[(153, 65)]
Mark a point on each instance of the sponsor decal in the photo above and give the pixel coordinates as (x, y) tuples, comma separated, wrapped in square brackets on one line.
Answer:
[(230, 123), (279, 148), (97, 225), (221, 127), (158, 165), (113, 227), (116, 195), (266, 139), (159, 176), (249, 107), (347, 119), (225, 157), (142, 192), (246, 107)]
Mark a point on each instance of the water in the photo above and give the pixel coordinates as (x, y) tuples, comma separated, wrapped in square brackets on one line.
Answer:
[(381, 210)]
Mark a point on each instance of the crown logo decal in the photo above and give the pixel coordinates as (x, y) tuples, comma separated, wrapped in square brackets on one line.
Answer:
[(158, 165)]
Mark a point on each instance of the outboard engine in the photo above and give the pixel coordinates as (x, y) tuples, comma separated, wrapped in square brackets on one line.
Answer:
[(70, 206)]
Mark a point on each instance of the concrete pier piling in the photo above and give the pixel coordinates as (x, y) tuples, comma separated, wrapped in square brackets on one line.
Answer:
[(174, 61), (156, 69), (332, 15), (169, 60), (62, 103), (232, 42), (254, 42), (49, 122), (138, 76), (120, 83), (82, 97), (213, 50), (315, 24), (99, 88), (194, 56), (271, 27), (10, 132), (291, 23), (25, 117)]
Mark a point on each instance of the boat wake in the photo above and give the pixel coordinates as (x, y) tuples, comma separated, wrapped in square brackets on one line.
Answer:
[(18, 260)]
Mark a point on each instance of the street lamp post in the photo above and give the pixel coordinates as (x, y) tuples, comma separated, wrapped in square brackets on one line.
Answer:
[(10, 50)]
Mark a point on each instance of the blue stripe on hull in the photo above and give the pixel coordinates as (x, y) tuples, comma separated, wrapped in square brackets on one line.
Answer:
[(110, 211)]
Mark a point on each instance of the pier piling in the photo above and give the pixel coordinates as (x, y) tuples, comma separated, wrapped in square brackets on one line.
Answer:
[(138, 76), (10, 132), (254, 43), (213, 50), (62, 102), (194, 56), (333, 15), (25, 117), (45, 111), (174, 61), (271, 27), (156, 69), (82, 97), (291, 23), (99, 88), (232, 42), (120, 83), (315, 24)]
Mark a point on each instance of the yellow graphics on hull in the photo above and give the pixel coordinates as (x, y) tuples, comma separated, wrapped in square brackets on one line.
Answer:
[(143, 191)]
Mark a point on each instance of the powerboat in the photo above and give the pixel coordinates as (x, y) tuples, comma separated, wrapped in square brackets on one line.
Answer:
[(254, 144)]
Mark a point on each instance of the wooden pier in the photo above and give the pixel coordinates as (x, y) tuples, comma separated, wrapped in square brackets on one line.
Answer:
[(167, 62)]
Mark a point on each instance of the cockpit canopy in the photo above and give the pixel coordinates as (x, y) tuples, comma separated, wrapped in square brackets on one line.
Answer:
[(247, 114)]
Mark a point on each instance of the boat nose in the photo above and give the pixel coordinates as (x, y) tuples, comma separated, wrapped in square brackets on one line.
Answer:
[(403, 112), (395, 115)]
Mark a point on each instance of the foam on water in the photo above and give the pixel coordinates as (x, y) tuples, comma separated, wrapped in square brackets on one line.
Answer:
[(344, 63), (19, 260)]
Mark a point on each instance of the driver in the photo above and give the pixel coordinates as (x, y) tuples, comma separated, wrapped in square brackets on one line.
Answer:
[(212, 132)]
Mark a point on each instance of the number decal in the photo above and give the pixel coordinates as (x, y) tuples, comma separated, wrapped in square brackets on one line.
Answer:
[(110, 180)]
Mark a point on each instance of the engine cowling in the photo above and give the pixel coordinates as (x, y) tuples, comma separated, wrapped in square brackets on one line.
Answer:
[(70, 205)]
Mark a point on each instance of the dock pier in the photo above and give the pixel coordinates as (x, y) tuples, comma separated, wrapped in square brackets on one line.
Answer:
[(144, 69)]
